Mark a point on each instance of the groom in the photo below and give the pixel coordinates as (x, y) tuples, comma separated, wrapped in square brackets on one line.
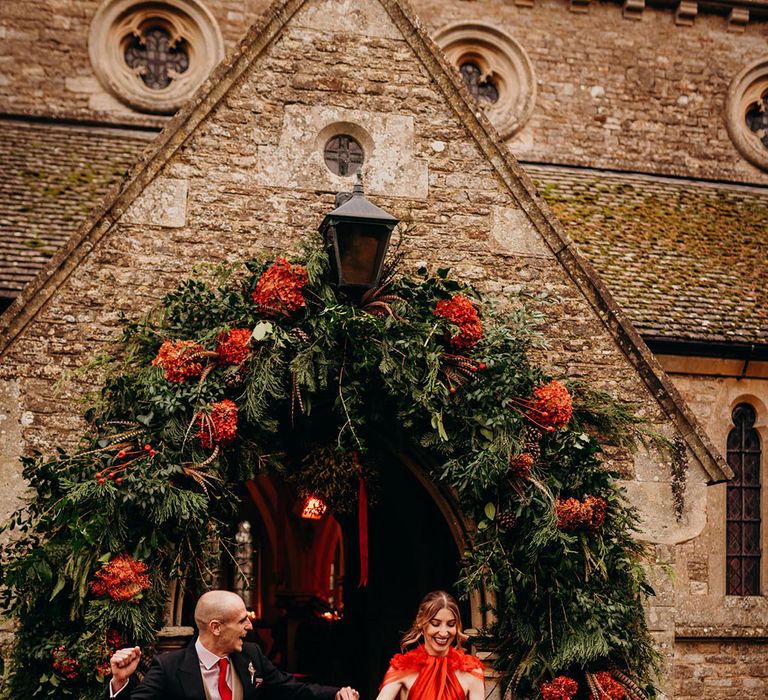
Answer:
[(218, 666)]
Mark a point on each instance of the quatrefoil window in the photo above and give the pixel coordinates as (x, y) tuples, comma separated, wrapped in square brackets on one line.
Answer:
[(481, 87), (157, 57), (152, 56), (496, 71)]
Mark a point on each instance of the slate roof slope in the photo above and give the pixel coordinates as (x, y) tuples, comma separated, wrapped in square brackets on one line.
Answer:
[(52, 176), (686, 260)]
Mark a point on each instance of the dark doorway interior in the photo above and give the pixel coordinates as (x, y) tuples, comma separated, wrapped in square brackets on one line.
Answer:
[(412, 552), (312, 618)]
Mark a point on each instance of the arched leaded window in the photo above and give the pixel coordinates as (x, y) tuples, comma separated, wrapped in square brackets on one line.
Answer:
[(743, 510)]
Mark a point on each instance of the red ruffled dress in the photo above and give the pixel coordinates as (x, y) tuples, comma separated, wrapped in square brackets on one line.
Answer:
[(436, 678)]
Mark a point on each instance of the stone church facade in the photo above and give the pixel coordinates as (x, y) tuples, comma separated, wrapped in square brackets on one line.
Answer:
[(643, 127)]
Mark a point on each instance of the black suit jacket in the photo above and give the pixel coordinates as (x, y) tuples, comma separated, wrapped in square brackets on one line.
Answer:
[(176, 675)]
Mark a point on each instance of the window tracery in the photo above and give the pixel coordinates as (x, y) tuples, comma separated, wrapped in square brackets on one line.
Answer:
[(481, 87), (496, 71), (157, 57), (343, 155), (153, 56)]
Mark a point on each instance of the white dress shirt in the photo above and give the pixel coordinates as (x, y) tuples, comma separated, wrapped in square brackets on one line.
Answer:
[(209, 668)]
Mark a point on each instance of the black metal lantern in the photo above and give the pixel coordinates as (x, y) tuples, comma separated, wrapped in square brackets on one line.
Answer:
[(356, 235)]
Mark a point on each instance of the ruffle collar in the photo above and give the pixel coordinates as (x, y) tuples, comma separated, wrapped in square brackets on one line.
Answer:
[(416, 659)]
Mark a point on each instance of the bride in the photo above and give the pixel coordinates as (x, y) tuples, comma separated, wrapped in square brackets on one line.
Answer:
[(437, 669)]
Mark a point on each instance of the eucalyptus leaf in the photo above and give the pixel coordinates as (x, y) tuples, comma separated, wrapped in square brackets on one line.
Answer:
[(262, 330)]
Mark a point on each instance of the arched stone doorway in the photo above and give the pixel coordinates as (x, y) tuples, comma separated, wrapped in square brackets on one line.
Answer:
[(311, 616)]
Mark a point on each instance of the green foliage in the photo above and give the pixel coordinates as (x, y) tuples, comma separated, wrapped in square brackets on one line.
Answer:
[(318, 386)]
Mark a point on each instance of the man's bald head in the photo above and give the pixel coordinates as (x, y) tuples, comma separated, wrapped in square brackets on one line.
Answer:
[(216, 605)]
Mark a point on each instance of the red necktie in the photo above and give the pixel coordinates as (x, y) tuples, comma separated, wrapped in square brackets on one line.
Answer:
[(224, 691)]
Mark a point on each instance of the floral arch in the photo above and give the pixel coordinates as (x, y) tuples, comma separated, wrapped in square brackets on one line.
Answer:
[(261, 367)]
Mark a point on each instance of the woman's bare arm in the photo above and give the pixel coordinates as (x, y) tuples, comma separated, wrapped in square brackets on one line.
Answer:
[(391, 690), (476, 688)]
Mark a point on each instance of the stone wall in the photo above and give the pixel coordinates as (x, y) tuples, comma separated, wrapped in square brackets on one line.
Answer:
[(718, 669), (722, 645), (645, 96), (217, 200), (703, 608)]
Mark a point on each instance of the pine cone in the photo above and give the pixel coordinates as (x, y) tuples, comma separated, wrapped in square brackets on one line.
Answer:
[(531, 444), (506, 520), (232, 381)]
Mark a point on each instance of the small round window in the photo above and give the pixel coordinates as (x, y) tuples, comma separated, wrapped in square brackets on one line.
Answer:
[(152, 56), (496, 71), (343, 155), (747, 113)]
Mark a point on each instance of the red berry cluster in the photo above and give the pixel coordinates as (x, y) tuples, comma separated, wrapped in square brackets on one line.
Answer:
[(115, 471), (123, 579), (219, 426), (561, 688), (64, 664), (180, 359), (612, 690), (278, 290), (232, 347), (553, 407), (588, 514), (460, 311)]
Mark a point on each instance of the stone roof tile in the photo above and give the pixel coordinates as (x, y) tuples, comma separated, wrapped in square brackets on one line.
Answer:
[(53, 175), (686, 260)]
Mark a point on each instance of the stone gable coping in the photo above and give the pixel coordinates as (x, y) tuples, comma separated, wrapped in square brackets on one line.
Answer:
[(447, 81)]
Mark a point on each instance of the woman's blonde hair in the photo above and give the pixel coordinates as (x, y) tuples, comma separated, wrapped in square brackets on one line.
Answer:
[(430, 605)]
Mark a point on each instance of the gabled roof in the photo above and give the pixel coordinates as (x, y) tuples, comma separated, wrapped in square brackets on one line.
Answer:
[(445, 80), (685, 260), (53, 175)]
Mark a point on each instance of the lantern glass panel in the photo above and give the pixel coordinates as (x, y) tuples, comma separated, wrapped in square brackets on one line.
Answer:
[(358, 252)]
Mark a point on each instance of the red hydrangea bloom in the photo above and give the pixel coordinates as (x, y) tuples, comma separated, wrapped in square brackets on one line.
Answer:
[(520, 465), (219, 426), (279, 288), (64, 664), (594, 508), (588, 514), (553, 407), (569, 513), (561, 688), (122, 578), (180, 359), (460, 311), (232, 347), (612, 690)]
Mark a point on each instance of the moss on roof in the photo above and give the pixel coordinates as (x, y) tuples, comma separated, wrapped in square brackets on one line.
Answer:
[(53, 175), (686, 260)]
